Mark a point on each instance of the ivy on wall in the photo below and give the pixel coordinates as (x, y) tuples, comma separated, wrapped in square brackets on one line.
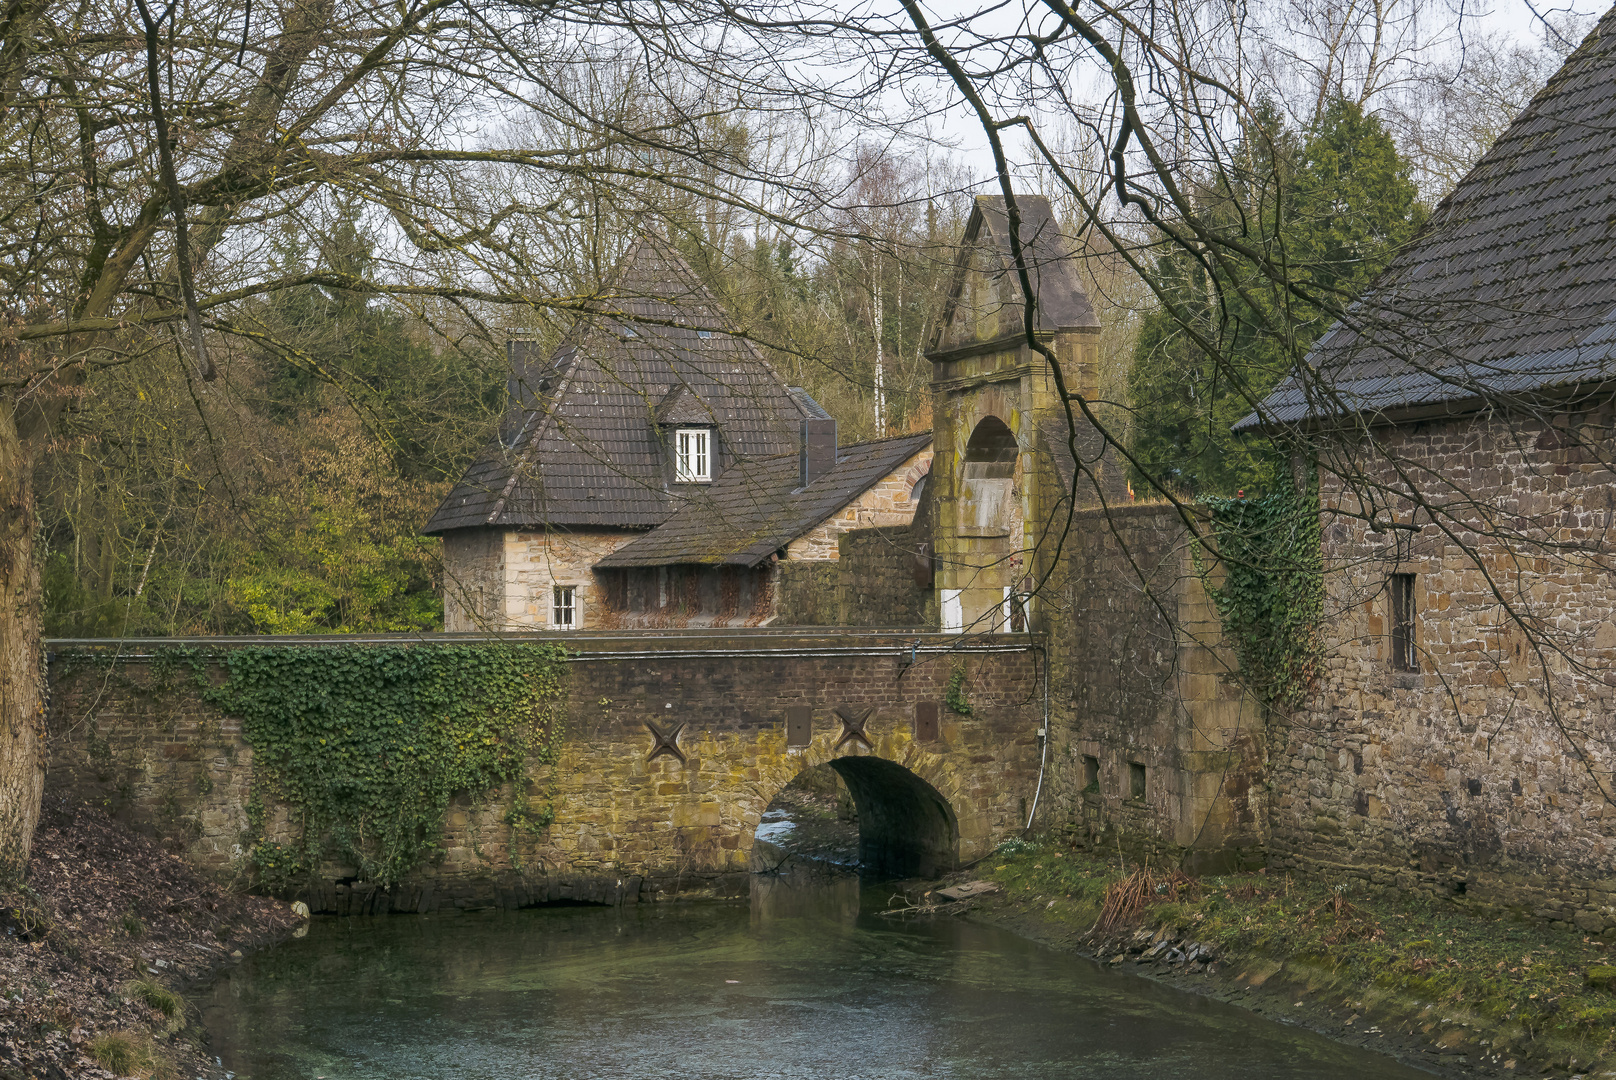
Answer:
[(1271, 600), (957, 687), (367, 744)]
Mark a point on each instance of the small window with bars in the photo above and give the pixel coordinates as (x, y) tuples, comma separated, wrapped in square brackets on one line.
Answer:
[(565, 607), (693, 457), (1405, 643)]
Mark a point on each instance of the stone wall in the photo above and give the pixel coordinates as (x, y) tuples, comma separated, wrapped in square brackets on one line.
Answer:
[(1479, 775), (536, 562), (887, 503), (502, 579), (1156, 746), (473, 580), (871, 583), (877, 586), (806, 593), (135, 737)]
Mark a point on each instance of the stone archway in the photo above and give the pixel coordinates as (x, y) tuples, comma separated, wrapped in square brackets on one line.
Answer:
[(985, 567), (906, 827)]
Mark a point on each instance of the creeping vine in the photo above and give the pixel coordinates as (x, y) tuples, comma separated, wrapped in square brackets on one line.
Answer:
[(955, 697), (367, 744), (1271, 600)]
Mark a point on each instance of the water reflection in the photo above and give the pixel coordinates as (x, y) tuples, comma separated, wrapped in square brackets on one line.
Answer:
[(805, 982)]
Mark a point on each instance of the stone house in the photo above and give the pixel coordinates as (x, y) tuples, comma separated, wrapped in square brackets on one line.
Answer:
[(1462, 737), (654, 470)]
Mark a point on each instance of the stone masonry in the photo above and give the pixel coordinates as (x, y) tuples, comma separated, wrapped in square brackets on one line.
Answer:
[(1157, 748), (1486, 774), (888, 503), (628, 825)]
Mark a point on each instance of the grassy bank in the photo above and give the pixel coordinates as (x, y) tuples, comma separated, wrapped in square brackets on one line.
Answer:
[(1496, 987)]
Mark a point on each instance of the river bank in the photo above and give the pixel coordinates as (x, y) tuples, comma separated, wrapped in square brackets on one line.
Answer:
[(1457, 991), (100, 947)]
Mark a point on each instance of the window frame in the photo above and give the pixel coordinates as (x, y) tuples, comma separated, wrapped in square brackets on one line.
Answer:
[(1138, 782), (1403, 616), (702, 456), (564, 598)]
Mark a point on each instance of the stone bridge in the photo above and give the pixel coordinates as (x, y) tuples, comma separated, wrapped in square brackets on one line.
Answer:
[(676, 742)]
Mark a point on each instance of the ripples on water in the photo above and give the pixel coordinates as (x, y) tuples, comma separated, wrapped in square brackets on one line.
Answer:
[(807, 982)]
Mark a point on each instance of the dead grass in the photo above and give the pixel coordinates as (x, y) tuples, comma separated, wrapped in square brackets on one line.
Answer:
[(127, 1054), (1127, 898)]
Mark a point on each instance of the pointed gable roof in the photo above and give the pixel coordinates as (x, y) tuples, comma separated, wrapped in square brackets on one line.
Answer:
[(682, 406), (589, 452), (1511, 286), (984, 301)]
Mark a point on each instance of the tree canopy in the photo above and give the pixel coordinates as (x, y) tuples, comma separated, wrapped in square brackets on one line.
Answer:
[(1333, 202)]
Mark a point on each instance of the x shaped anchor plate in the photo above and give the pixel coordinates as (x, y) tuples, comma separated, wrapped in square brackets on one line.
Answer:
[(853, 722), (667, 742)]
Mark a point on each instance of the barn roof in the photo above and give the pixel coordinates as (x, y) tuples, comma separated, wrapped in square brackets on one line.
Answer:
[(1511, 286), (754, 510), (656, 348)]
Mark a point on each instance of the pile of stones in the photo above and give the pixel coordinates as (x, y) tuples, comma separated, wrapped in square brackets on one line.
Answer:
[(1165, 949)]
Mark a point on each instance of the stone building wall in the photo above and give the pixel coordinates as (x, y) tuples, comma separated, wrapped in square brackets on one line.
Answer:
[(535, 562), (871, 583), (877, 584), (503, 579), (138, 740), (473, 580), (1479, 775), (806, 593), (885, 504), (1142, 681)]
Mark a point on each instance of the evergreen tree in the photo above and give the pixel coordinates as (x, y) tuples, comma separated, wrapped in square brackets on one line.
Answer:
[(1330, 207)]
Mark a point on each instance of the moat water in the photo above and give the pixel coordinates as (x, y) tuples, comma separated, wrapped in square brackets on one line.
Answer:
[(807, 981)]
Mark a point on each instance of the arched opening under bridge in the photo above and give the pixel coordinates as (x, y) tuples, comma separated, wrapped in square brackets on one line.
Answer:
[(904, 826)]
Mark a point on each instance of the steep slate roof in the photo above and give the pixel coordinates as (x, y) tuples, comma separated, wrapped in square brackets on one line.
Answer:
[(985, 249), (754, 510), (590, 453), (1511, 286)]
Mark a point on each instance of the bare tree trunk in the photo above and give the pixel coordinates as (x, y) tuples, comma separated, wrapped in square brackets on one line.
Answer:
[(22, 690)]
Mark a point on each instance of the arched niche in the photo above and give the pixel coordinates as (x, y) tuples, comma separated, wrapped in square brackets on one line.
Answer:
[(988, 506)]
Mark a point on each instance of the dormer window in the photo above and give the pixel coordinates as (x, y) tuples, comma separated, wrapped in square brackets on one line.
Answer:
[(693, 456)]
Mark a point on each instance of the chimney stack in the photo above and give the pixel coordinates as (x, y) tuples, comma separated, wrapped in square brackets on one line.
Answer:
[(818, 453), (524, 366)]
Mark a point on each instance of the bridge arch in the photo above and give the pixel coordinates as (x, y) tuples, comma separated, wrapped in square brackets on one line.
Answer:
[(906, 827)]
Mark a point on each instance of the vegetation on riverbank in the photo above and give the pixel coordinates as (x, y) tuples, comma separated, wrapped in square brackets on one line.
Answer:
[(1529, 990), (100, 947)]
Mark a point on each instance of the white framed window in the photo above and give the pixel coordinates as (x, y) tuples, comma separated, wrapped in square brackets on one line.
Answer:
[(564, 607), (953, 612), (694, 460)]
